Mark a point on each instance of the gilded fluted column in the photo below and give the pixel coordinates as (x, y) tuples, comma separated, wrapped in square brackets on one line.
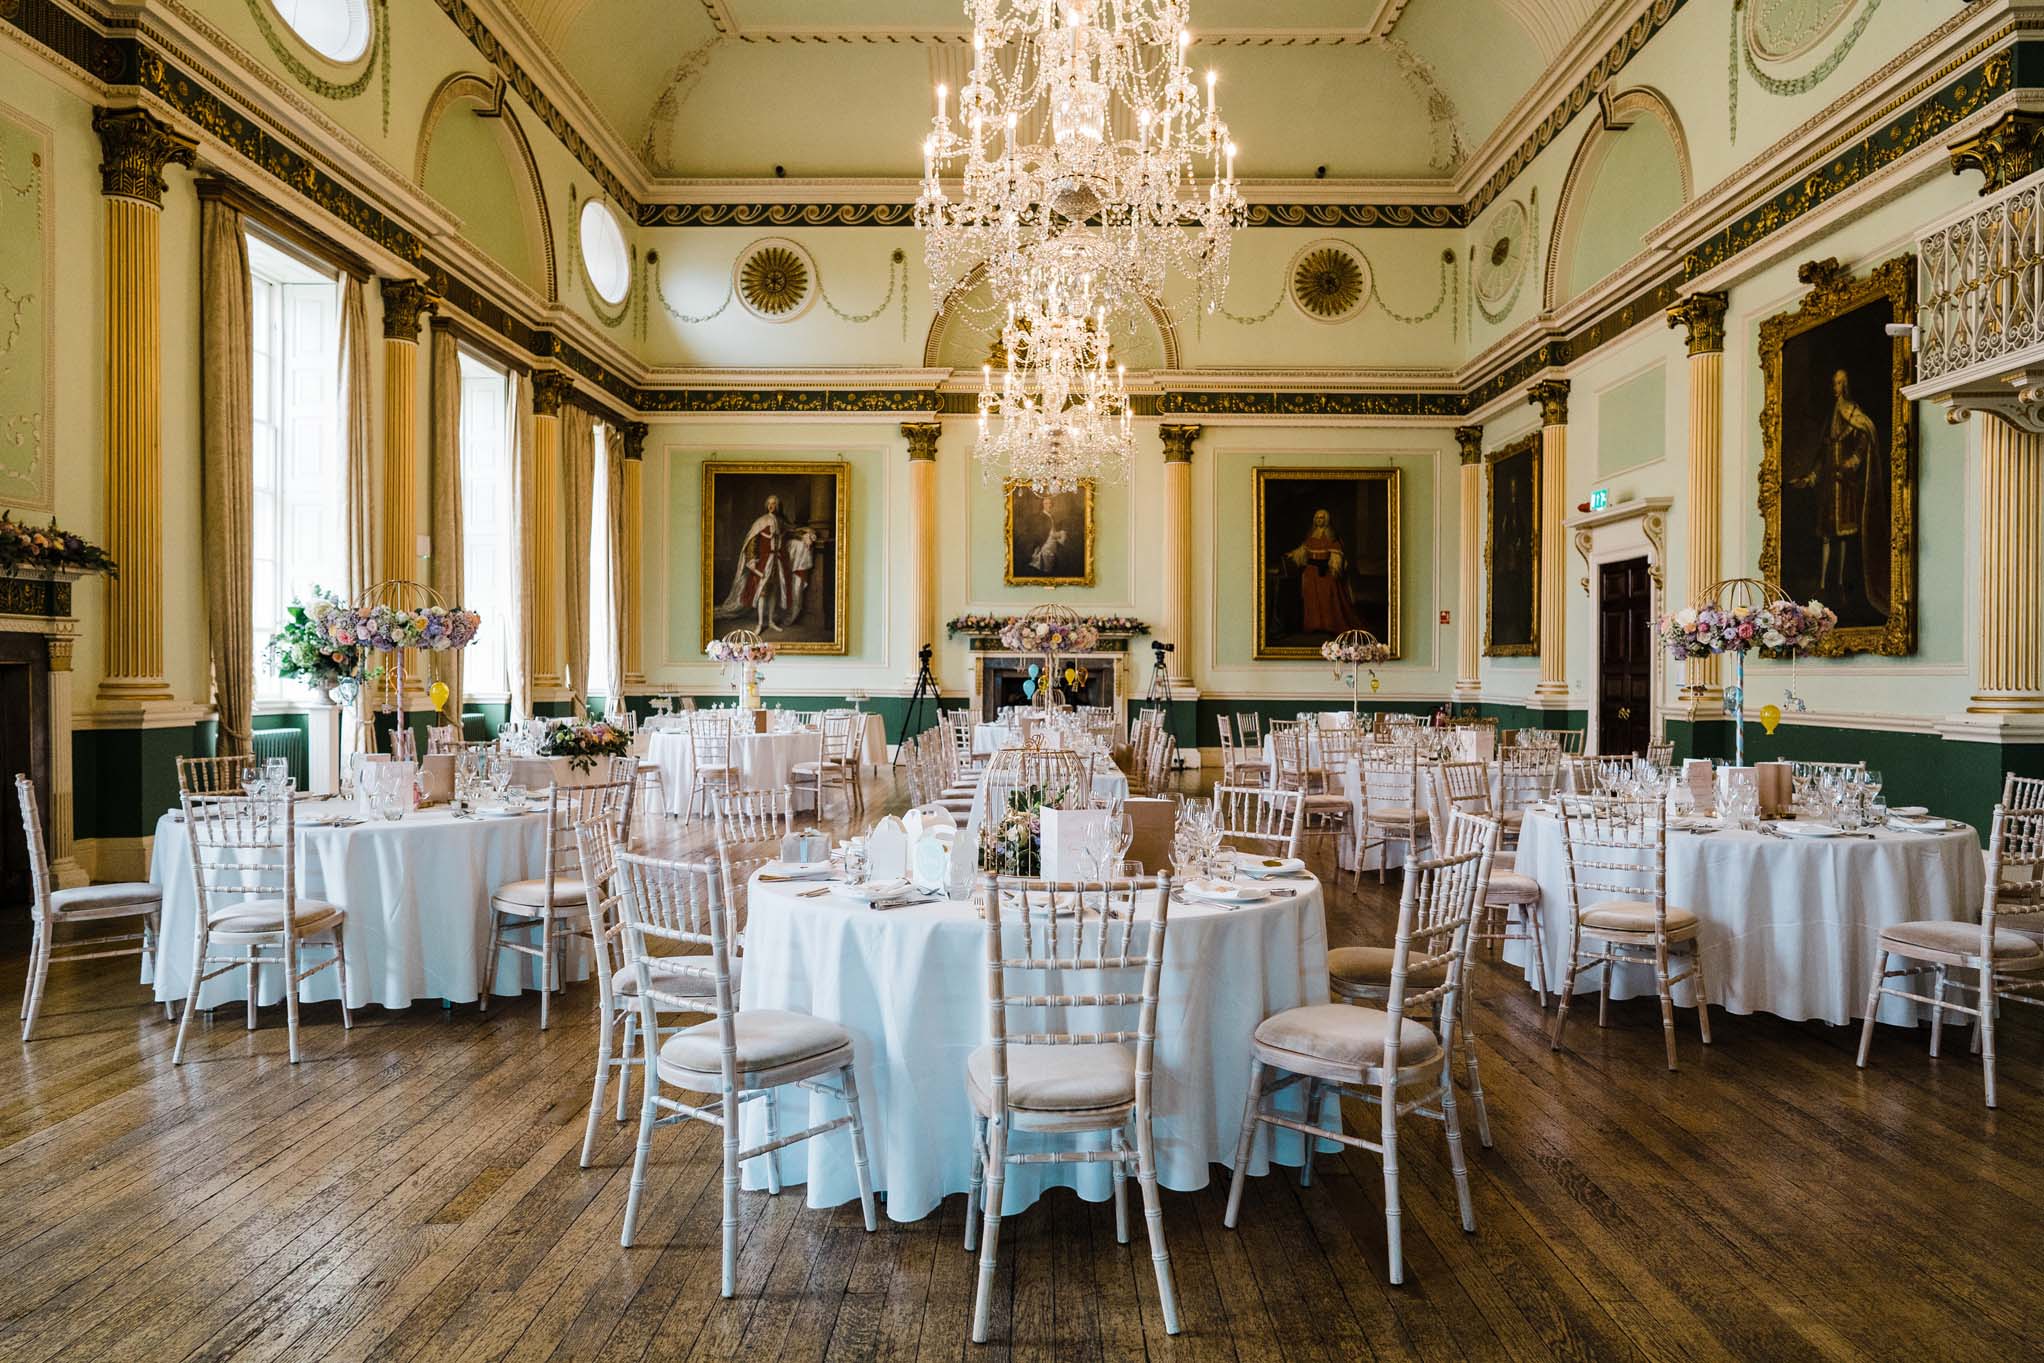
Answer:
[(2011, 530), (1702, 315), (136, 148), (1551, 397), (1469, 637), (544, 575), (405, 304), (922, 529), (1178, 557), (634, 554)]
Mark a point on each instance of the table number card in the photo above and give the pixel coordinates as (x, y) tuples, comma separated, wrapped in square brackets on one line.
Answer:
[(1069, 839)]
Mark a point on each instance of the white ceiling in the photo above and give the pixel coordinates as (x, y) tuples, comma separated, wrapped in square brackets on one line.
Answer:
[(732, 89)]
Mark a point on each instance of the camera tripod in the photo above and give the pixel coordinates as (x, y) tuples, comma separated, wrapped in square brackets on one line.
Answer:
[(1160, 695), (925, 689)]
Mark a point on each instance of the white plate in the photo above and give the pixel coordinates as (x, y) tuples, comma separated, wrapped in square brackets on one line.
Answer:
[(1908, 811), (796, 870), (500, 812), (876, 889), (1256, 868), (1224, 892), (1799, 829)]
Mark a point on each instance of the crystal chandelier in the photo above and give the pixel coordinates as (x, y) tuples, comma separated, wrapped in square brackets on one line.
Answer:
[(1080, 128), (1059, 412)]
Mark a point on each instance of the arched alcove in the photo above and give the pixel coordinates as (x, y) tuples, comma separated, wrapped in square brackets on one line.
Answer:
[(1629, 175), (475, 159), (963, 333)]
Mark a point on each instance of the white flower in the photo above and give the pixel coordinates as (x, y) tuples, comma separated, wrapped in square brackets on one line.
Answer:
[(1686, 617), (1773, 639)]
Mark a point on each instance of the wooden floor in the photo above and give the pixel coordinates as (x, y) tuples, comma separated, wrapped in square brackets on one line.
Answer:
[(411, 1192)]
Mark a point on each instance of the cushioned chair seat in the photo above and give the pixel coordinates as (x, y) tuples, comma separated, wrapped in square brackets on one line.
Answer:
[(1372, 966), (531, 894), (1055, 1078), (1633, 915), (105, 901), (1512, 818), (766, 1039), (1509, 887), (1343, 1034), (1394, 814), (1960, 939), (267, 915), (812, 768), (687, 984)]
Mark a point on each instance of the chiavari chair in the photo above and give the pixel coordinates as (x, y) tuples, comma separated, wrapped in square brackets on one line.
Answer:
[(1394, 803), (1526, 777), (713, 761), (1388, 1056), (245, 872), (2021, 794), (836, 767), (211, 775), (51, 908), (1661, 752), (1617, 855), (1054, 950), (1249, 729), (542, 905), (1510, 910), (737, 1055), (1269, 821), (2006, 960), (442, 738), (1569, 740), (1238, 768)]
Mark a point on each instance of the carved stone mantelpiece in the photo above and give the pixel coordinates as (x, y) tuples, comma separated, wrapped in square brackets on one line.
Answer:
[(59, 637)]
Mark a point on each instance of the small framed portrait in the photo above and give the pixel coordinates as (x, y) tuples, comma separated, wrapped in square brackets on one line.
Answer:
[(774, 553), (1511, 551), (1326, 558), (1049, 537)]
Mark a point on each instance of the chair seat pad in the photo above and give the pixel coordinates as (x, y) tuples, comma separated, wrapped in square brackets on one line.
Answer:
[(1372, 966), (827, 767), (1343, 1034), (531, 894), (105, 901), (1512, 818), (1959, 939), (687, 984), (1633, 915), (267, 915), (1396, 814), (766, 1039), (1509, 887), (1055, 1078)]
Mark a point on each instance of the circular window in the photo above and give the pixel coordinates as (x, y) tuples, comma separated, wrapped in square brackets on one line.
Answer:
[(604, 257), (338, 30)]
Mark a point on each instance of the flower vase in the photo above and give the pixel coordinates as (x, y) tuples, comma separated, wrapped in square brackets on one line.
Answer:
[(1735, 701), (750, 698), (1355, 697)]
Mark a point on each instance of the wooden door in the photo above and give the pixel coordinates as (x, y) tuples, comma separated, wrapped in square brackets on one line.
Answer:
[(1625, 663)]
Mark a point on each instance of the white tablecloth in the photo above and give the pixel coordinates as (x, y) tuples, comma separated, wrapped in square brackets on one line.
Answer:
[(910, 985), (873, 743), (1790, 926), (764, 761), (417, 895), (988, 739)]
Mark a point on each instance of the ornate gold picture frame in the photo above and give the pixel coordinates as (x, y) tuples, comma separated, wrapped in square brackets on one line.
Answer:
[(776, 553), (1048, 539), (1327, 558), (1511, 550), (1838, 463)]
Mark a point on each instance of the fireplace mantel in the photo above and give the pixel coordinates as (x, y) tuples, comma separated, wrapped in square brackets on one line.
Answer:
[(59, 633), (987, 662)]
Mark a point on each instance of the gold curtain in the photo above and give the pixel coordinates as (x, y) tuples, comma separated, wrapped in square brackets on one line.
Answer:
[(358, 417), (227, 467), (444, 570), (578, 457), (614, 501), (523, 648)]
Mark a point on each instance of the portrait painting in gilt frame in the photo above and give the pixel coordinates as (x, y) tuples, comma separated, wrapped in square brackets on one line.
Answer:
[(1838, 459), (1511, 551), (775, 553), (1326, 558), (1049, 537)]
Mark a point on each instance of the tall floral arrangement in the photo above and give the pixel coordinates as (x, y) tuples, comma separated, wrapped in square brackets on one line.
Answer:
[(383, 628), (1776, 629), (317, 644)]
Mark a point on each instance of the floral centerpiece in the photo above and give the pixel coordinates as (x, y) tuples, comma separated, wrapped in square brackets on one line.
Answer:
[(582, 744), (317, 645), (1026, 634), (379, 622), (50, 549), (1354, 652), (996, 625), (1014, 844), (1740, 616), (742, 651)]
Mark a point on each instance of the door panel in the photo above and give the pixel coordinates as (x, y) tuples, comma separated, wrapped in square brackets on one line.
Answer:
[(1625, 664)]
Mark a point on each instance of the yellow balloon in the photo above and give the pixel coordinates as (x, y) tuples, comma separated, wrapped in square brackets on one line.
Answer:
[(1071, 676), (1374, 683), (1770, 715), (437, 693)]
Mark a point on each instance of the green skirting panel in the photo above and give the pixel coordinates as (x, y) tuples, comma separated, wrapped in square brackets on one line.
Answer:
[(126, 778)]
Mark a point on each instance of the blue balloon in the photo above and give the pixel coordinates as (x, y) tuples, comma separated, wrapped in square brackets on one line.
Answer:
[(1035, 669), (1029, 689)]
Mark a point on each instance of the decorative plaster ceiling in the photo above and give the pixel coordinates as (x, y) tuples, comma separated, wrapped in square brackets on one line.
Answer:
[(734, 89)]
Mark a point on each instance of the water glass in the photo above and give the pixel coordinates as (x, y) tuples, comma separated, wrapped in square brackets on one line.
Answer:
[(855, 861)]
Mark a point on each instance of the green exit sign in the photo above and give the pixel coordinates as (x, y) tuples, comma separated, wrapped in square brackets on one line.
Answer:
[(1600, 498)]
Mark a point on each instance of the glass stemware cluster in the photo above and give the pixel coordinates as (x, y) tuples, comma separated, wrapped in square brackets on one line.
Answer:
[(1845, 797), (1199, 839)]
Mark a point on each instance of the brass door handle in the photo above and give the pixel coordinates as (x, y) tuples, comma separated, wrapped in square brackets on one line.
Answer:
[(1625, 712)]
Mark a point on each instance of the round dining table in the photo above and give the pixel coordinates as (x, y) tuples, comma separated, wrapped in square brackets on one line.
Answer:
[(909, 983), (764, 761), (416, 891), (1791, 925)]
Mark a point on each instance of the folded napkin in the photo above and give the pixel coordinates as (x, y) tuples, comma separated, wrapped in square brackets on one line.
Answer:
[(1921, 823)]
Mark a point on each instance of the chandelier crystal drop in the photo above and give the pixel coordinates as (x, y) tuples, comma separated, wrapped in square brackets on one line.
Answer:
[(1058, 412), (1080, 126)]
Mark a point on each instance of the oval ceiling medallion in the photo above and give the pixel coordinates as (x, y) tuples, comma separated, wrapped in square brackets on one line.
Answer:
[(1777, 30), (1330, 281), (1501, 253), (776, 279)]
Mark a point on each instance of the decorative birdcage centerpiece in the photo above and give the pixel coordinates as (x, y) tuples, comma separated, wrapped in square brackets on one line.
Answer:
[(390, 619), (1742, 615), (1048, 631), (1353, 653), (742, 653)]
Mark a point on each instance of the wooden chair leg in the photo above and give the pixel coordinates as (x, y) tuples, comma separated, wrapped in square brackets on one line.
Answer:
[(1667, 993), (1312, 1111), (1451, 1118), (1937, 1013), (1153, 1222), (1702, 991), (1568, 990), (1388, 1136), (184, 1022), (603, 1029), (1120, 1167), (990, 1230), (1985, 999), (490, 954), (251, 970), (38, 971), (773, 1136), (341, 969), (1866, 1031), (1530, 915), (1250, 1107), (290, 954), (624, 1064), (860, 1169), (546, 966), (975, 1192)]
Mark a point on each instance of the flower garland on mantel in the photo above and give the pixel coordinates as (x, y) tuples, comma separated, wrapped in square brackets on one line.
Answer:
[(991, 626)]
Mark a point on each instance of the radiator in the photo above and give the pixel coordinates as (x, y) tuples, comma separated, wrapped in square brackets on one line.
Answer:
[(288, 744)]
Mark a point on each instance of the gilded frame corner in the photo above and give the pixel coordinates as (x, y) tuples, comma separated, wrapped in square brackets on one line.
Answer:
[(840, 642), (1834, 293), (1528, 446), (1091, 575), (1394, 512)]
